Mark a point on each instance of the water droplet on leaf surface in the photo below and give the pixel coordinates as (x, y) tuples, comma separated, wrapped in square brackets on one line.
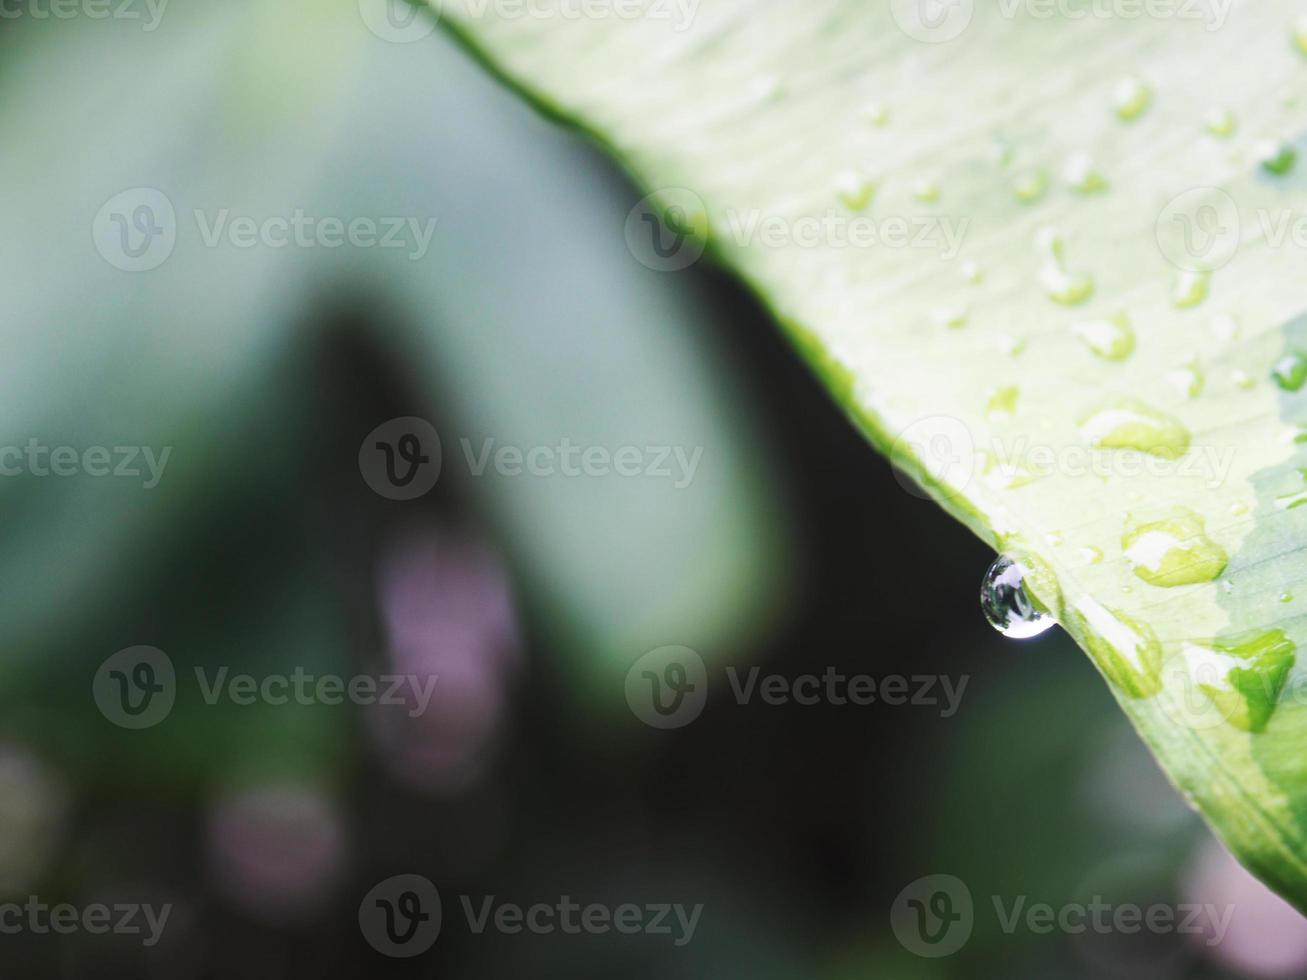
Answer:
[(855, 190), (1003, 403), (953, 317), (1080, 174), (1187, 379), (1131, 97), (1130, 424), (1112, 339), (925, 189), (1225, 327), (1030, 186), (1006, 603), (1290, 371), (876, 113), (1276, 157), (1295, 498), (1220, 122), (1009, 345), (1066, 288), (1242, 676), (1191, 288), (1174, 551)]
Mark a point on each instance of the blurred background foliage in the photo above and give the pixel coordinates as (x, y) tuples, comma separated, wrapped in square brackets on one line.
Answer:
[(262, 550)]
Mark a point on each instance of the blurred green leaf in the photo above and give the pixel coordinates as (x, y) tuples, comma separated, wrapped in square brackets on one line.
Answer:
[(251, 110)]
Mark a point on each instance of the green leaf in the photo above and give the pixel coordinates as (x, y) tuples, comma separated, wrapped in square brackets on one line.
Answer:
[(220, 346), (1050, 267)]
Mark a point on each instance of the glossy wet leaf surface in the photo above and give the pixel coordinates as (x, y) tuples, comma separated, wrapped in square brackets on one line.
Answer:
[(1086, 348)]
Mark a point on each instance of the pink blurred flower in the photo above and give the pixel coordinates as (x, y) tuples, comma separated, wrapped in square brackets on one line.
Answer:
[(447, 611), (1266, 935), (277, 851)]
